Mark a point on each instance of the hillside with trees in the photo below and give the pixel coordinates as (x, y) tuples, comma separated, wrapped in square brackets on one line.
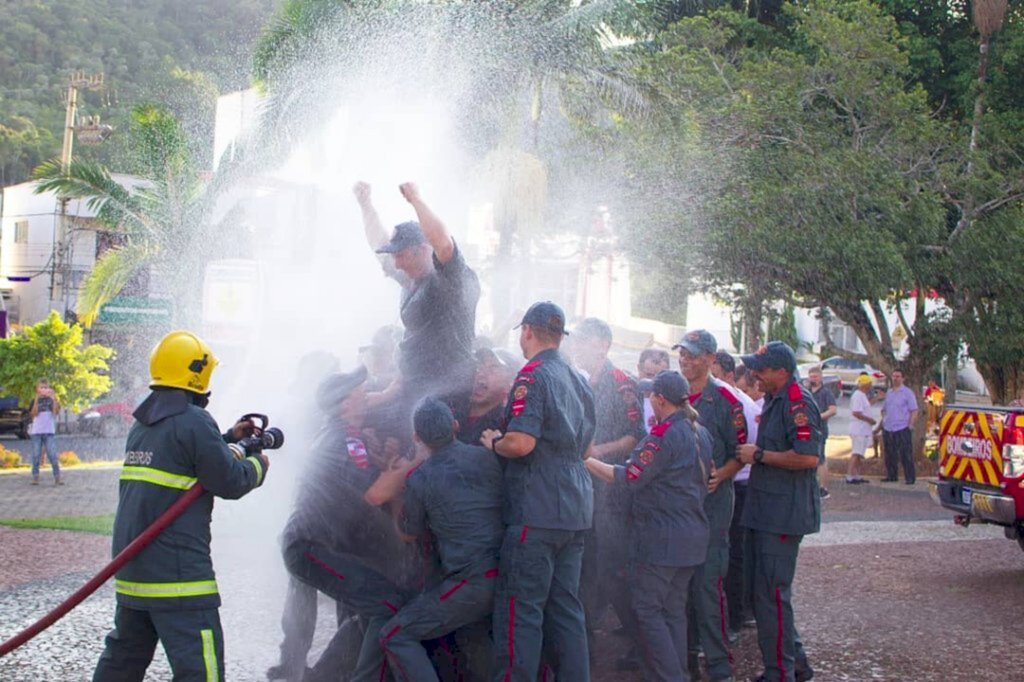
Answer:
[(178, 53)]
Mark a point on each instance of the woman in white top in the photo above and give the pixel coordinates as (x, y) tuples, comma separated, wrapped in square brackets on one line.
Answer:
[(44, 410), (861, 423)]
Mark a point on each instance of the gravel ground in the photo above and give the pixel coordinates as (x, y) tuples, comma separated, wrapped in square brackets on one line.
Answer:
[(889, 590)]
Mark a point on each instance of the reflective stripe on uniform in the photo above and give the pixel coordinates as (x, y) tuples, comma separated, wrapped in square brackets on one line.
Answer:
[(157, 477), (197, 588), (259, 468), (210, 656)]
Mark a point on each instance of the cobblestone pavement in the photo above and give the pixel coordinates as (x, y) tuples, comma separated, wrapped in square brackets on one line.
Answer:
[(889, 590)]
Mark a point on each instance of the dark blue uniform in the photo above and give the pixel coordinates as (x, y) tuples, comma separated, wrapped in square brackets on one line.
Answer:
[(667, 476), (619, 414), (782, 506), (344, 547), (168, 592), (471, 429), (456, 495), (549, 503), (721, 413)]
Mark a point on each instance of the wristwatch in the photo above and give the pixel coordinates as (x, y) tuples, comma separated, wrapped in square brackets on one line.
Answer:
[(758, 455)]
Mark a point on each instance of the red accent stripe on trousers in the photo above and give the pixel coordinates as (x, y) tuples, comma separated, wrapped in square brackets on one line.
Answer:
[(780, 635), (511, 634)]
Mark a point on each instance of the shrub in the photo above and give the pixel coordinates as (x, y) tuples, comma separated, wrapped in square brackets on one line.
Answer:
[(9, 459), (68, 458)]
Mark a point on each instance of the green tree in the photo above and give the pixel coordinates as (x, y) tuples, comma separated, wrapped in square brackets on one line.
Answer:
[(154, 224), (819, 183), (53, 350)]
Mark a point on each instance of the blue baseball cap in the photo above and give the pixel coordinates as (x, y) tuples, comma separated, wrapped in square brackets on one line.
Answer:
[(698, 342), (669, 384), (772, 355), (433, 422), (547, 315), (406, 235)]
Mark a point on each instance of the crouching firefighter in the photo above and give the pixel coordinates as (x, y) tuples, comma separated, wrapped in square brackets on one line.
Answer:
[(168, 592)]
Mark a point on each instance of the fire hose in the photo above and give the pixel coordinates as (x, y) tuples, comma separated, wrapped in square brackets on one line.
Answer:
[(264, 439), (123, 557)]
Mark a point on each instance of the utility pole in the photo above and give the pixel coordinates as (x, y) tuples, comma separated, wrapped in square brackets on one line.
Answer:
[(96, 133)]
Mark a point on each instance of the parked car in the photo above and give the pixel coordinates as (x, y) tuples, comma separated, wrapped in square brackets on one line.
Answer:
[(833, 384), (14, 419), (846, 371), (106, 420)]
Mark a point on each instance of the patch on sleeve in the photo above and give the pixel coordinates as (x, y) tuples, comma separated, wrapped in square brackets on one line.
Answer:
[(803, 433), (800, 419), (357, 453), (797, 406), (633, 472), (530, 366), (794, 392), (518, 406), (520, 392), (646, 457)]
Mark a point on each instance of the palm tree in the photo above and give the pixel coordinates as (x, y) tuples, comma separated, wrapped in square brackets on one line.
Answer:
[(154, 224)]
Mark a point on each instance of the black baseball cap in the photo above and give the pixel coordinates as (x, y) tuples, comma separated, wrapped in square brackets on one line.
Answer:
[(547, 315), (433, 422), (406, 235), (773, 355), (337, 387), (698, 342), (669, 384)]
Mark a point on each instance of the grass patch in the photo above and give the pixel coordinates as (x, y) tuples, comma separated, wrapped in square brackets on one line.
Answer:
[(101, 525)]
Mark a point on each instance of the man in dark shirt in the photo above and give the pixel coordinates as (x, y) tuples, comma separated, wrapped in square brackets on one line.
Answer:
[(439, 296), (667, 478), (721, 413), (783, 504), (455, 496), (495, 371), (338, 539), (619, 428), (549, 504)]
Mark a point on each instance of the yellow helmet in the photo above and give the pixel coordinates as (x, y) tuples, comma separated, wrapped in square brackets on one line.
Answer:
[(182, 360)]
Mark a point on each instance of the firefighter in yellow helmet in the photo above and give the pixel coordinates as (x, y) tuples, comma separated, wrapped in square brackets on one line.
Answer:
[(168, 592)]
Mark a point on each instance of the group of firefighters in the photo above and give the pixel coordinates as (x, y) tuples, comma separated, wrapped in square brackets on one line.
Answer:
[(474, 518)]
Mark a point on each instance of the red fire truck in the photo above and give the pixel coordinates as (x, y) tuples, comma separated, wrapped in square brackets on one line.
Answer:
[(982, 466)]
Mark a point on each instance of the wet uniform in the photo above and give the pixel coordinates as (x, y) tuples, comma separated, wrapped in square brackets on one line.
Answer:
[(471, 429), (439, 315), (721, 413), (619, 413), (667, 478), (456, 495), (782, 506), (168, 592), (549, 504), (339, 544)]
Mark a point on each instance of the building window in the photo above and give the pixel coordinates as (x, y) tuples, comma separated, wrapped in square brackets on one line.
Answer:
[(21, 232)]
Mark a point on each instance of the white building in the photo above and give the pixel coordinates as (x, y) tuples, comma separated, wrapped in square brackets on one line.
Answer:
[(30, 279)]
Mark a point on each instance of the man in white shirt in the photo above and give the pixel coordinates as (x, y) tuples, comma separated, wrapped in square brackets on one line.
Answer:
[(737, 581), (862, 421)]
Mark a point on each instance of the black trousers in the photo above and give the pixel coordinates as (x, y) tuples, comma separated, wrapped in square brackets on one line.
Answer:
[(899, 449), (739, 579), (193, 642)]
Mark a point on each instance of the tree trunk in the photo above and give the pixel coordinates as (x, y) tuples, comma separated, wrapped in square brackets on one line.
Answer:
[(753, 317)]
